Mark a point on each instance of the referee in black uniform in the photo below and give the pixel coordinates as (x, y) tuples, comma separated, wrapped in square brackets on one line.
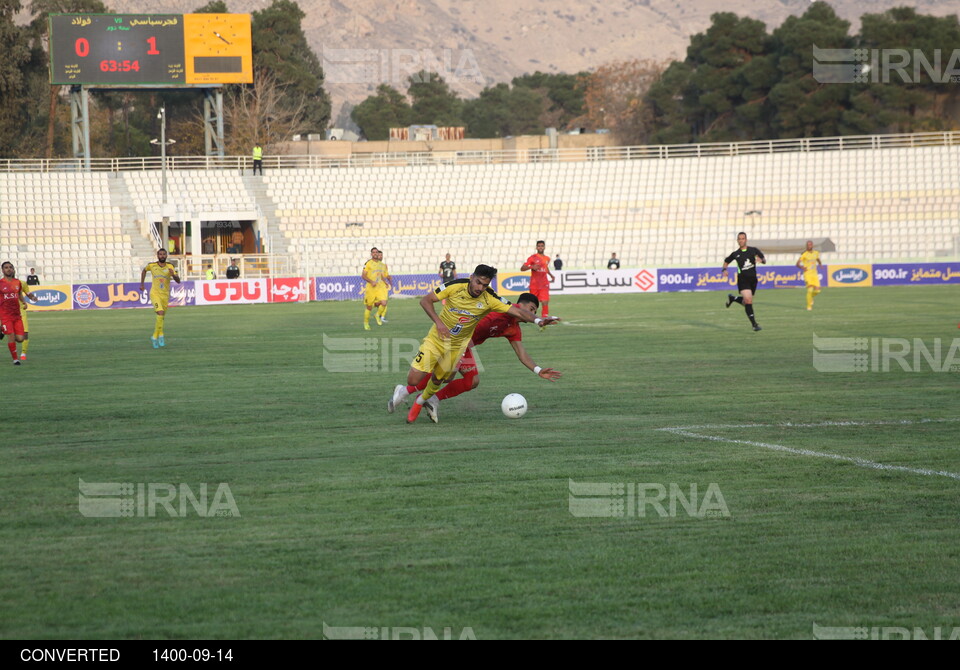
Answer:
[(746, 258)]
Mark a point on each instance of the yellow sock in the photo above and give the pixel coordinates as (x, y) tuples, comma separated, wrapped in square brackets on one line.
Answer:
[(366, 316), (382, 312), (431, 389), (158, 328), (23, 346)]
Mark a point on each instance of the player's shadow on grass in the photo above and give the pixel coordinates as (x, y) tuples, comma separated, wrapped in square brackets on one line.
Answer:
[(705, 324)]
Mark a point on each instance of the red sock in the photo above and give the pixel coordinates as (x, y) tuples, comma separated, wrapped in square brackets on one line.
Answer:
[(455, 388), (12, 345), (546, 309), (419, 387)]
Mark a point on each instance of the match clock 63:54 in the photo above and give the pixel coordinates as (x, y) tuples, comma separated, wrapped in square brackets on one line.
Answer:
[(124, 49)]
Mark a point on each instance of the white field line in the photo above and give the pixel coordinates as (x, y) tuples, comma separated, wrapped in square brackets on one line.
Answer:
[(686, 431)]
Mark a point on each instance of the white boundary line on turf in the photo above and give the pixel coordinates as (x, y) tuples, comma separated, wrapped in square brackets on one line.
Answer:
[(788, 424), (685, 431)]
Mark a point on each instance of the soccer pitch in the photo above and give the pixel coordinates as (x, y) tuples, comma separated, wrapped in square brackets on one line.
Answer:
[(828, 499)]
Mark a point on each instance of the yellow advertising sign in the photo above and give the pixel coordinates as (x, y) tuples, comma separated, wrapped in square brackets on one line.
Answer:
[(55, 297), (850, 275)]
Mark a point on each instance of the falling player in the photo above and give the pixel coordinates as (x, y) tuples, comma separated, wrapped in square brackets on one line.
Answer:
[(468, 301), (11, 290), (162, 272), (494, 324), (809, 260), (376, 279), (746, 258), (540, 276)]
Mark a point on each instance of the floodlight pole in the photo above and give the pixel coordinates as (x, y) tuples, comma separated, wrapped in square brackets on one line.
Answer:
[(165, 226)]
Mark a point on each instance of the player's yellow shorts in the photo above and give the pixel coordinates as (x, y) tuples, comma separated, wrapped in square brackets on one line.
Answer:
[(374, 295), (160, 301), (438, 356), (811, 279)]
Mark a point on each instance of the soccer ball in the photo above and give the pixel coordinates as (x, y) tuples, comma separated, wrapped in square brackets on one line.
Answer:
[(514, 406)]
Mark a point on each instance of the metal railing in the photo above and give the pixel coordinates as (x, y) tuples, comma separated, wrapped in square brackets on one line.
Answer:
[(244, 164), (252, 266)]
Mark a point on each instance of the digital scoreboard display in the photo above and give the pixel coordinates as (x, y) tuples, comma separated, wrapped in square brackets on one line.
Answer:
[(162, 49)]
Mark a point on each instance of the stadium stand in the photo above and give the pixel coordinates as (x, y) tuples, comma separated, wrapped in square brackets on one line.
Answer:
[(875, 202), (64, 225)]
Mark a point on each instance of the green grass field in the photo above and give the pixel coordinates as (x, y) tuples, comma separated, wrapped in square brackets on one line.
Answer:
[(350, 517)]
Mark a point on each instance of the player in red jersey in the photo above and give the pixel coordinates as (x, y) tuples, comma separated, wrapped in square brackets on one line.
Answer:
[(11, 289), (494, 324), (540, 276)]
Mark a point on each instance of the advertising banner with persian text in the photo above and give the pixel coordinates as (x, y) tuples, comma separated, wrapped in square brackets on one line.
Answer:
[(581, 282), (115, 296)]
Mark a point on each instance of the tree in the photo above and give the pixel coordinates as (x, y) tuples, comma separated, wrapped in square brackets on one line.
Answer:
[(803, 106), (267, 111), (562, 94), (14, 87), (669, 121), (500, 111), (614, 98), (916, 105), (280, 47), (379, 113), (433, 101)]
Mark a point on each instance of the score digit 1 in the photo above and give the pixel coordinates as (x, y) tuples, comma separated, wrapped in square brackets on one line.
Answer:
[(153, 51)]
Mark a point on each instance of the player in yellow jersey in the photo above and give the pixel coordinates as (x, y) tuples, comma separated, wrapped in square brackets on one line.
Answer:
[(26, 329), (162, 272), (26, 326), (376, 279), (468, 301), (809, 261)]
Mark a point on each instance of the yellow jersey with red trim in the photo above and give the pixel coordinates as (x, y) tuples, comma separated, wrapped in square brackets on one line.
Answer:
[(162, 275), (463, 312), (375, 271), (809, 260)]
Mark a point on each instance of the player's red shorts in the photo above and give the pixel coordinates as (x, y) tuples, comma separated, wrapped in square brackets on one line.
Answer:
[(468, 364), (543, 294), (13, 325)]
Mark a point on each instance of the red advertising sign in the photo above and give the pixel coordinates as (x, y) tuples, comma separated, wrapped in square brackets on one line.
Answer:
[(232, 291), (289, 289)]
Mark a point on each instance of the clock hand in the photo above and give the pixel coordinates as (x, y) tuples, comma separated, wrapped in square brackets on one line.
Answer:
[(220, 36)]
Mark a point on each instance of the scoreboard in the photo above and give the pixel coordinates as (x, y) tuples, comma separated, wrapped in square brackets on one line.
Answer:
[(158, 49)]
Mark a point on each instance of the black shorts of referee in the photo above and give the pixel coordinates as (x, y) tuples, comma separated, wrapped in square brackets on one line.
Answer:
[(747, 282)]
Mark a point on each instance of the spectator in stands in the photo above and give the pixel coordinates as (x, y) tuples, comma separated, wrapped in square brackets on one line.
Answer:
[(236, 242), (558, 263), (448, 270), (257, 159), (233, 271), (614, 262), (32, 278), (209, 247), (172, 246)]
